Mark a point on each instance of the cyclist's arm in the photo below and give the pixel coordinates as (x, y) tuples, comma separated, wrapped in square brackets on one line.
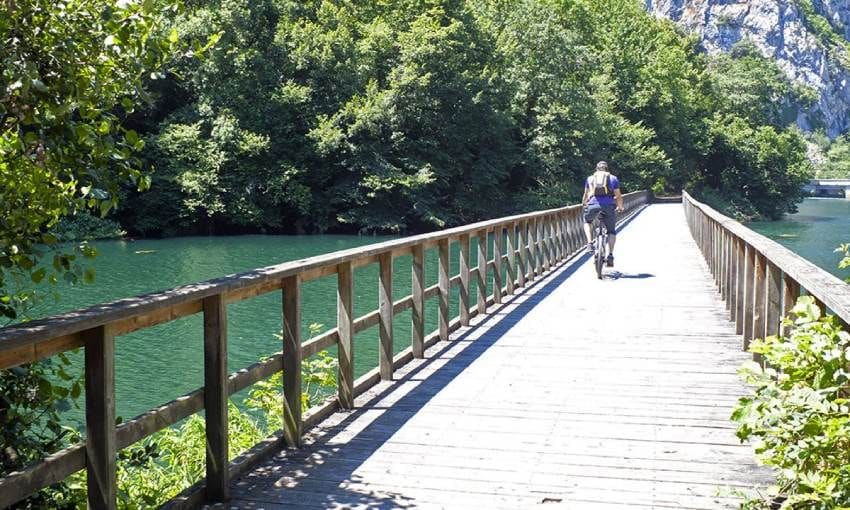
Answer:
[(585, 197), (618, 197)]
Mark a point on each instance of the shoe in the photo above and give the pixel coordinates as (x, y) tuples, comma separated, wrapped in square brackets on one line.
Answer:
[(610, 260), (590, 248)]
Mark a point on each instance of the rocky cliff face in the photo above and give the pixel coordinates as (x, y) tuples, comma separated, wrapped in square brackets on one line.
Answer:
[(788, 32)]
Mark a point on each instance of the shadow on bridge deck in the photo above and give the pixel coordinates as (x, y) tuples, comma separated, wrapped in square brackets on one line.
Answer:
[(519, 409)]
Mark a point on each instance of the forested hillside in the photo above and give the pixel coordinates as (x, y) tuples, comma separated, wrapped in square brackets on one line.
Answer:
[(399, 116)]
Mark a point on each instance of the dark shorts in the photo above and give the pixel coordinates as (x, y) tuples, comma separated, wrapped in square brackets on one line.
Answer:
[(607, 213)]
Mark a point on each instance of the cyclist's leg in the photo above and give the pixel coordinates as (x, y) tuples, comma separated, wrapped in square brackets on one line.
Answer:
[(590, 213), (609, 216)]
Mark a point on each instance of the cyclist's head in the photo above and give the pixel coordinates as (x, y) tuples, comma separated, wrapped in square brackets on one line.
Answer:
[(602, 166)]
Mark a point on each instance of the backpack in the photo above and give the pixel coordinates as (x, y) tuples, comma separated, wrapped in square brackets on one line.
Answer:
[(602, 189)]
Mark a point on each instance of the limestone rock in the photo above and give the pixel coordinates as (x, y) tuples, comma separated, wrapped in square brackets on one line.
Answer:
[(781, 31)]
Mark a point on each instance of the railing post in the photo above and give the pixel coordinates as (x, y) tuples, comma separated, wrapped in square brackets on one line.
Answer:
[(511, 233), (345, 329), (292, 360), (545, 244), (730, 272), (790, 293), (417, 314), (215, 397), (740, 285), (733, 276), (534, 250), (723, 267), (522, 238), (497, 264), (773, 300), (464, 279), (578, 230), (385, 312), (101, 449), (749, 295), (758, 296), (481, 277), (444, 287)]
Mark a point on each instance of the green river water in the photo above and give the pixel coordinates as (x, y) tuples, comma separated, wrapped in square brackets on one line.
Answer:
[(818, 227), (156, 365)]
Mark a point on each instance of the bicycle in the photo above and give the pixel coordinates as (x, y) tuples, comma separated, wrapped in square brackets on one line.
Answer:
[(600, 245)]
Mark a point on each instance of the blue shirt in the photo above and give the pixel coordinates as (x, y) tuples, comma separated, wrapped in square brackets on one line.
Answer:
[(613, 183)]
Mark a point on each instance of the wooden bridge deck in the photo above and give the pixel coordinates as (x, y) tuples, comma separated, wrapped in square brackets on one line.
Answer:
[(575, 393)]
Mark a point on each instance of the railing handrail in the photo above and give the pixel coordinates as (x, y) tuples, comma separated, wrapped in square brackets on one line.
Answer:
[(824, 286), (535, 243), (16, 336)]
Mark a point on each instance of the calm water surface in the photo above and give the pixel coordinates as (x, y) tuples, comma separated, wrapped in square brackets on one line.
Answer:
[(818, 227), (158, 364)]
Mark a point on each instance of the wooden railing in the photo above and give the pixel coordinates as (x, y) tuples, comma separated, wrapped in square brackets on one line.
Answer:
[(534, 243), (759, 279)]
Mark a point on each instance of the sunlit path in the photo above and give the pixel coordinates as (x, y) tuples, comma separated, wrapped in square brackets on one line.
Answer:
[(576, 392)]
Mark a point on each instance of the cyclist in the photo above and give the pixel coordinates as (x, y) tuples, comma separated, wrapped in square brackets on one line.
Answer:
[(601, 193)]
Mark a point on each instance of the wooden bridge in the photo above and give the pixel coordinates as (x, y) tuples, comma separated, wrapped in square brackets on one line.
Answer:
[(556, 389)]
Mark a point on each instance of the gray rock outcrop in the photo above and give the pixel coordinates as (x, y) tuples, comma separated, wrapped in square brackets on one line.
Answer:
[(781, 31)]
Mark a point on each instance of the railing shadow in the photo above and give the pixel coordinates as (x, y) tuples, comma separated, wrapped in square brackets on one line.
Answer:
[(313, 475)]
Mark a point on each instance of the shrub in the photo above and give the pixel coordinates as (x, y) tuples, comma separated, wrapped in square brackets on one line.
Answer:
[(798, 415)]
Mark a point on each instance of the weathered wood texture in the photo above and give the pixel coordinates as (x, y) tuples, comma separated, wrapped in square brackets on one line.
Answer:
[(548, 398), (760, 261), (96, 328)]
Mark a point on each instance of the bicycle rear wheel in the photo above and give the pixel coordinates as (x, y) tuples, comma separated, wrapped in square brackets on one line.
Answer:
[(599, 253)]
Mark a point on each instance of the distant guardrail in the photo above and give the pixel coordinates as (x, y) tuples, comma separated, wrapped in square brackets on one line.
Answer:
[(828, 187)]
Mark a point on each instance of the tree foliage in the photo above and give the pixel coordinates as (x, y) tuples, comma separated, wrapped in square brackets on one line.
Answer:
[(405, 116)]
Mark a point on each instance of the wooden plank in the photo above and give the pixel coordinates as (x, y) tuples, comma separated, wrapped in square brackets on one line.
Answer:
[(511, 249), (319, 272), (319, 343), (101, 452), (292, 355), (215, 397), (31, 353), (740, 285), (749, 294), (464, 279), (142, 426), (481, 276), (444, 289), (54, 468), (759, 276), (385, 308), (345, 329), (731, 277), (773, 301), (167, 314), (497, 265), (522, 241), (432, 291), (545, 253), (417, 316), (249, 292), (790, 293)]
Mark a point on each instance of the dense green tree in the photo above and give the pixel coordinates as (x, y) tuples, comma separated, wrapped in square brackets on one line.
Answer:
[(400, 116), (836, 164)]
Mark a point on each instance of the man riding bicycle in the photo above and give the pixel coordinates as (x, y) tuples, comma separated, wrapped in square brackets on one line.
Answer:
[(601, 192)]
